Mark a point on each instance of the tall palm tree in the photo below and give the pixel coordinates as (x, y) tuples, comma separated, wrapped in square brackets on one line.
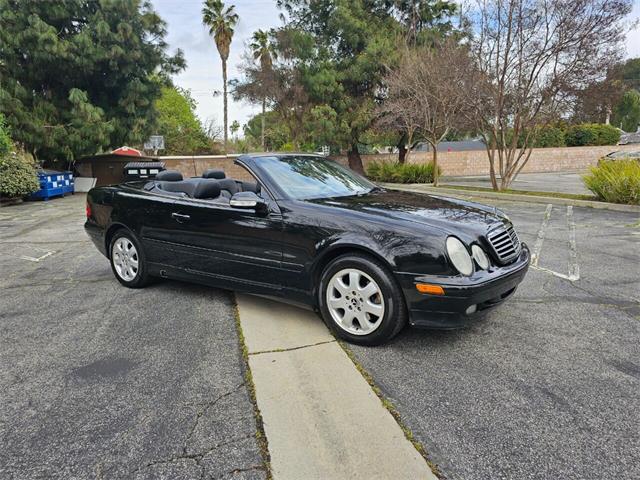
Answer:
[(265, 52), (221, 22)]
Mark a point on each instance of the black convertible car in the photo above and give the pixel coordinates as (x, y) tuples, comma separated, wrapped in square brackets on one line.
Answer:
[(312, 232)]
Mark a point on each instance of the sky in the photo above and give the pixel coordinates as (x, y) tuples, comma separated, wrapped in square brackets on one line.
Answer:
[(203, 74)]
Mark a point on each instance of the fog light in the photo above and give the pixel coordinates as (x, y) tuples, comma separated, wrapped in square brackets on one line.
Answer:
[(471, 309), (431, 289)]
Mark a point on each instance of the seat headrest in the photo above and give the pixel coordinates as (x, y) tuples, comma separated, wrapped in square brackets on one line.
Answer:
[(206, 188), (214, 173), (169, 176)]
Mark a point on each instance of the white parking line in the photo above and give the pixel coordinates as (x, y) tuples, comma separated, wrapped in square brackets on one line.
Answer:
[(573, 268), (537, 248), (34, 259)]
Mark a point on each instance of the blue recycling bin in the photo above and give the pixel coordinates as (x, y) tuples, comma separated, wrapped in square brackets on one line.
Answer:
[(53, 184)]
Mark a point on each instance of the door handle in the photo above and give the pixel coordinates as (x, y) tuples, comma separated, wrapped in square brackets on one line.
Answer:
[(179, 217)]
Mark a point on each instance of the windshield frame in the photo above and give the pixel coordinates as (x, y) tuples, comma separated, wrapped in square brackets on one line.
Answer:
[(280, 193)]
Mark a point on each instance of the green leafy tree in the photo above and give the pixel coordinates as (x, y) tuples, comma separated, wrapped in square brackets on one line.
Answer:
[(221, 22), (81, 75), (630, 73), (264, 51), (235, 126), (276, 133), (626, 114), (177, 122), (425, 22), (342, 49), (342, 65)]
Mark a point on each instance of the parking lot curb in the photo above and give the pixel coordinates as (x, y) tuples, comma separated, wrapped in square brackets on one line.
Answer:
[(454, 192), (321, 417)]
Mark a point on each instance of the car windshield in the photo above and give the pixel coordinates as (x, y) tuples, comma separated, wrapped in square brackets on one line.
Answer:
[(305, 177)]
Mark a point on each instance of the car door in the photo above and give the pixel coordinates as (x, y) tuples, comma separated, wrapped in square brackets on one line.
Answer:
[(149, 214), (229, 247)]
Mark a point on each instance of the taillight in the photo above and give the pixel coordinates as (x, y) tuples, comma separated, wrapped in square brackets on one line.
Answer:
[(88, 210)]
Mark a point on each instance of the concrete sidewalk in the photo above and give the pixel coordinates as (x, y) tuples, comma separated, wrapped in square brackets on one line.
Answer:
[(321, 418)]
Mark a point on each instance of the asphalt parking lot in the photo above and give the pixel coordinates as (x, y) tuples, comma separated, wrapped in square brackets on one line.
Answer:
[(547, 386), (99, 381)]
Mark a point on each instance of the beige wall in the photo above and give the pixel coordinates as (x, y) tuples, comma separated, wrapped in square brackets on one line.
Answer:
[(475, 162), (194, 166), (565, 159)]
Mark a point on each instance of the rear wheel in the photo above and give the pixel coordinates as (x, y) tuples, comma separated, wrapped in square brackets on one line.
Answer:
[(127, 260), (360, 300)]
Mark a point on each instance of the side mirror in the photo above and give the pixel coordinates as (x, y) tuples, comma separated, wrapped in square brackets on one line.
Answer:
[(248, 200)]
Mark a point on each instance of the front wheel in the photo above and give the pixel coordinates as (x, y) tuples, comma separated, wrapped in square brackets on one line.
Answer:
[(127, 260), (360, 300)]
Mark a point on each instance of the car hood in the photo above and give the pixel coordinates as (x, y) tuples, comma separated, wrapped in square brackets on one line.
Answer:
[(448, 214)]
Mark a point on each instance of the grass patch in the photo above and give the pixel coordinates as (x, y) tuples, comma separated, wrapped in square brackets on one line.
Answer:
[(391, 408), (261, 437)]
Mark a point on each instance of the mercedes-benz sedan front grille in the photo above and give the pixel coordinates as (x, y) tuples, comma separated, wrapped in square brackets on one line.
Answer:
[(505, 243)]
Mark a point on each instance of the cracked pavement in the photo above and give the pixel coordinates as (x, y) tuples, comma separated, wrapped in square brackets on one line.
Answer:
[(547, 385), (99, 381)]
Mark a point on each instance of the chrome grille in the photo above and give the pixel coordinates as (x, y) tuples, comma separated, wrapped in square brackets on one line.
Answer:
[(505, 243)]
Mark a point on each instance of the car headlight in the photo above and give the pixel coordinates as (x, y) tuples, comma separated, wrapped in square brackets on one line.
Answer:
[(480, 257), (459, 256)]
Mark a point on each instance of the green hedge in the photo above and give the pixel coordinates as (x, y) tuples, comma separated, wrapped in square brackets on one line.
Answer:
[(17, 175), (616, 181), (549, 136), (591, 134), (394, 172)]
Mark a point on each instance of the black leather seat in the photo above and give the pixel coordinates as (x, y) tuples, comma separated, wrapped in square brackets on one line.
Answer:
[(178, 187), (207, 189), (201, 188), (228, 187)]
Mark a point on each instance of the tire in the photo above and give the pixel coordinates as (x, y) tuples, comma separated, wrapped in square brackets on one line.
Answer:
[(336, 291), (127, 260)]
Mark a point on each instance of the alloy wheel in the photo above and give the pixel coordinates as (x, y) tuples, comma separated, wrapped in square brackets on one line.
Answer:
[(125, 259), (355, 301)]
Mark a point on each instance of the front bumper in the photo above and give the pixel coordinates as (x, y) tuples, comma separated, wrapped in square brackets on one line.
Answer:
[(454, 309)]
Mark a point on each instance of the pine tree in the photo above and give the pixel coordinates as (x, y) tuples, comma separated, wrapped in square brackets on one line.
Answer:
[(81, 76)]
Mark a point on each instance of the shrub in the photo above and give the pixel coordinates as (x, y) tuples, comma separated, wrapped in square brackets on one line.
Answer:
[(616, 181), (549, 136), (394, 172), (591, 134), (5, 139), (17, 175)]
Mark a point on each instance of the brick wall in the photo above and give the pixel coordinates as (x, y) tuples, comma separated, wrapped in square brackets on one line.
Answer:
[(193, 166), (476, 162)]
